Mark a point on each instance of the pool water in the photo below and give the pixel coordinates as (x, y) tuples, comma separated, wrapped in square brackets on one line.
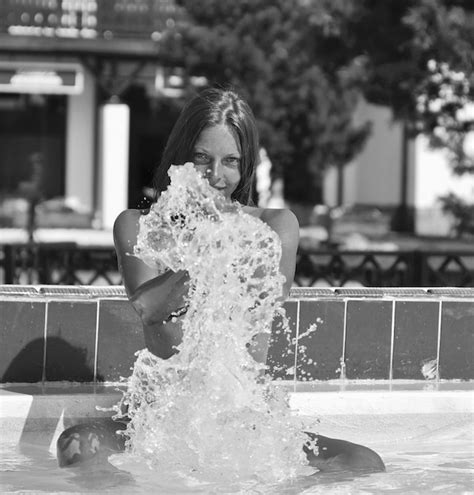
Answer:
[(428, 468), (435, 457)]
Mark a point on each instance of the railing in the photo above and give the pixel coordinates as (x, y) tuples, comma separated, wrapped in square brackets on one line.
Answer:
[(70, 264), (58, 264), (414, 268)]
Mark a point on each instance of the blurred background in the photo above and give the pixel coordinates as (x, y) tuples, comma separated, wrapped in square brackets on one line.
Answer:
[(365, 110)]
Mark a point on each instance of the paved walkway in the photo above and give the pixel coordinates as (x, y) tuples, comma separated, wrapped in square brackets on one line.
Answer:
[(93, 237)]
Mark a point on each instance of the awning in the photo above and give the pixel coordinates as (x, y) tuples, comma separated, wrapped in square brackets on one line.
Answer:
[(41, 77)]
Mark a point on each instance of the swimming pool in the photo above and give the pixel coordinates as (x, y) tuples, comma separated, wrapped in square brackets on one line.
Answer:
[(422, 431), (389, 368)]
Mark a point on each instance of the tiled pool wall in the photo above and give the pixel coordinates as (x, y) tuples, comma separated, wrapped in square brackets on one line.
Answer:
[(90, 334)]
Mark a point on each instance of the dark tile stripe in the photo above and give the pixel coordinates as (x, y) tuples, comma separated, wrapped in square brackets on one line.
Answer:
[(320, 340), (368, 335), (415, 340), (120, 336), (70, 341), (282, 349), (456, 359), (22, 335)]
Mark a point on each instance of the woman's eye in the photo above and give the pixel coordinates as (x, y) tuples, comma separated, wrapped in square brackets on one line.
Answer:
[(201, 159), (232, 161)]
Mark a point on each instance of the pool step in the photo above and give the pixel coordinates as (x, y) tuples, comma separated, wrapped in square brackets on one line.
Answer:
[(38, 414)]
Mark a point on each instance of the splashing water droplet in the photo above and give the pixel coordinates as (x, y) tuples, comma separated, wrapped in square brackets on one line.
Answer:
[(206, 412)]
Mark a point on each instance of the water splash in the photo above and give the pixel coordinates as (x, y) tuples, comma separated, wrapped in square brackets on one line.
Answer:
[(429, 369), (207, 412)]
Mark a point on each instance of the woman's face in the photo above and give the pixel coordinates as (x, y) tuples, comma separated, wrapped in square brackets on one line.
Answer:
[(217, 156)]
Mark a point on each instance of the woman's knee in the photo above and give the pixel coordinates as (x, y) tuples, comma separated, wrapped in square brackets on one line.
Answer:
[(84, 442), (340, 455)]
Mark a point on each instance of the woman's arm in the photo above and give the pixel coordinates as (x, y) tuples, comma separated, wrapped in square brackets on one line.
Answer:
[(285, 224), (154, 296)]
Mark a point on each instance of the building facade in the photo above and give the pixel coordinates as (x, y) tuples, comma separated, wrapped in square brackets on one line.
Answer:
[(73, 76), (86, 107), (375, 178)]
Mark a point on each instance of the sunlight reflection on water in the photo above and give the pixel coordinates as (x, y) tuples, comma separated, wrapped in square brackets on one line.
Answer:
[(417, 467)]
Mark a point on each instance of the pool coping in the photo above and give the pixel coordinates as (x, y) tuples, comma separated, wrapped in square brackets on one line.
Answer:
[(335, 397)]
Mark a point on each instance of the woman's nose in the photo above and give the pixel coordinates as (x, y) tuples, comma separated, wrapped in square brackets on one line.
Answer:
[(215, 171)]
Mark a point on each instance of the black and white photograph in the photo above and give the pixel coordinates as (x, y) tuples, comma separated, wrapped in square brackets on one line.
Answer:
[(237, 247)]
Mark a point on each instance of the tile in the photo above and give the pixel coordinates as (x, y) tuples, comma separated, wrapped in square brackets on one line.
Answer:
[(22, 340), (454, 292), (405, 292), (368, 337), (120, 336), (456, 359), (281, 352), (311, 292), (415, 339), (70, 341), (320, 347), (371, 292)]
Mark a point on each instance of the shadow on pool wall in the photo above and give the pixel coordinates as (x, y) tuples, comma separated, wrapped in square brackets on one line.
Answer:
[(91, 334), (32, 364), (62, 361)]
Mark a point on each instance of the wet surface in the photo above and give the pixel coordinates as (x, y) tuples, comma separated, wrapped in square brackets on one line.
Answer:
[(418, 466)]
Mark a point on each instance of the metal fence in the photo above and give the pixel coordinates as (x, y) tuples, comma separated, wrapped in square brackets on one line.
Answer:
[(407, 268), (70, 264), (58, 264)]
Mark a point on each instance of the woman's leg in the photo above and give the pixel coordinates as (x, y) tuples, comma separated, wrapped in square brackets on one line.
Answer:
[(90, 441), (340, 455)]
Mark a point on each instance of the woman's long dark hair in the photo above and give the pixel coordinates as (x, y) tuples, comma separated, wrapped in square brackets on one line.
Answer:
[(208, 108)]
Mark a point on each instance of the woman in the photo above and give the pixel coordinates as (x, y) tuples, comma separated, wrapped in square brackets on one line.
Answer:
[(216, 131)]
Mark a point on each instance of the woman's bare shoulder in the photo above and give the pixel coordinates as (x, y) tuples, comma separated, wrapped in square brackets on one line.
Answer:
[(134, 271), (280, 219), (126, 228)]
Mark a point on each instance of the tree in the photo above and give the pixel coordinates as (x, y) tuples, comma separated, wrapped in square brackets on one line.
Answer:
[(420, 64), (289, 58), (303, 65), (410, 42)]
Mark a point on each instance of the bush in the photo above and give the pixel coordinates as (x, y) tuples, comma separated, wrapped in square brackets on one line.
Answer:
[(462, 212)]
